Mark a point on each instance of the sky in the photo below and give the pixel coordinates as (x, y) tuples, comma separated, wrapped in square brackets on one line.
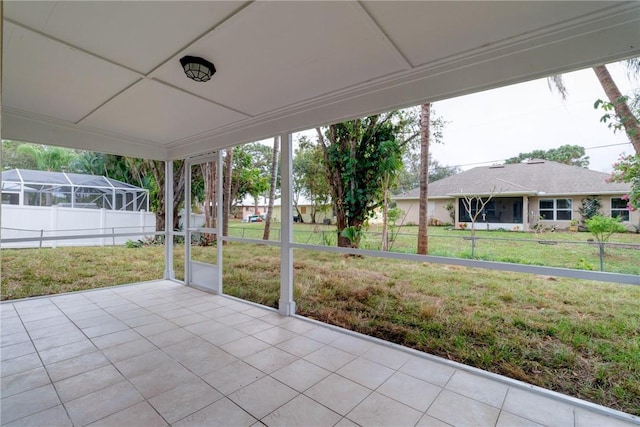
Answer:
[(491, 126)]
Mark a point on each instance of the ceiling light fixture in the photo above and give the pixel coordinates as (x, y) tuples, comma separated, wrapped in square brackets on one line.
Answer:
[(197, 69)]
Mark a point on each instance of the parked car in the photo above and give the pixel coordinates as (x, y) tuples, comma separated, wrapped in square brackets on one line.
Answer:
[(252, 218)]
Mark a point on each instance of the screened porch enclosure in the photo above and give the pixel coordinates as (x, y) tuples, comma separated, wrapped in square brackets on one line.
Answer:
[(498, 212), (26, 187)]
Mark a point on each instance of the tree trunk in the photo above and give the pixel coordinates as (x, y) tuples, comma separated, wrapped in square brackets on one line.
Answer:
[(423, 239), (208, 171), (272, 187), (630, 123), (226, 194), (384, 244)]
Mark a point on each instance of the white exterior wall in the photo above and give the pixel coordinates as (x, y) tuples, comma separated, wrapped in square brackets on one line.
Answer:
[(49, 221)]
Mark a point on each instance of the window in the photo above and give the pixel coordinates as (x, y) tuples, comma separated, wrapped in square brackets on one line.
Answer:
[(556, 209), (619, 208)]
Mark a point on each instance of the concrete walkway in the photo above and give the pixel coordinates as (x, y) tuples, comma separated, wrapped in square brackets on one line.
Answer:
[(160, 353)]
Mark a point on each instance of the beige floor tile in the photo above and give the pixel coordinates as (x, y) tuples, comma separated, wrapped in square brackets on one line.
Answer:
[(411, 391), (52, 417), (223, 336), (538, 408), (509, 420), (338, 394), (139, 415), (106, 341), (324, 335), (300, 345), (346, 422), (17, 350), (145, 319), (76, 365), (102, 403), (47, 343), (427, 370), (585, 418), (386, 356), (68, 351), (479, 388), (270, 359), (253, 326), (129, 349), (171, 337), (88, 382), (161, 379), (16, 337), (23, 381), (429, 421), (302, 411), (352, 345), (467, 411), (20, 364), (234, 319), (330, 358), (155, 328), (189, 319), (379, 410), (28, 403), (300, 375), (233, 377), (275, 335), (298, 326), (184, 400), (221, 413), (145, 363), (263, 396), (205, 327), (245, 346), (365, 372)]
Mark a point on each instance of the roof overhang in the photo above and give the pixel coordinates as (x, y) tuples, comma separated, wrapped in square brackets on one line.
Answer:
[(105, 75)]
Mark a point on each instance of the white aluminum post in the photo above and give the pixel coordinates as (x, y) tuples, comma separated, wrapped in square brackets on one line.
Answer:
[(219, 219), (286, 306), (186, 221), (169, 273)]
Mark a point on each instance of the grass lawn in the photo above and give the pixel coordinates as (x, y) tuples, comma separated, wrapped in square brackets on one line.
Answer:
[(581, 338)]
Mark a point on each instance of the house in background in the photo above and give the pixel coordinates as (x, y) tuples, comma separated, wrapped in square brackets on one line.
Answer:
[(522, 195)]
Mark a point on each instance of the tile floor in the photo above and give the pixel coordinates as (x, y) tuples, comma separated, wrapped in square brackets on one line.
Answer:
[(160, 353)]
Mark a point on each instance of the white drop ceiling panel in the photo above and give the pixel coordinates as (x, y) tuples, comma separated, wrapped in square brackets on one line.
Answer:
[(53, 79), (135, 34), (89, 74), (158, 113), (289, 52)]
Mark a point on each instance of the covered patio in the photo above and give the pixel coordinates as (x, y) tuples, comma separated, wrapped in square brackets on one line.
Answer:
[(160, 353), (107, 76)]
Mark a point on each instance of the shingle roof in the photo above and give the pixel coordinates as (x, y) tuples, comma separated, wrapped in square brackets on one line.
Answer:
[(536, 177)]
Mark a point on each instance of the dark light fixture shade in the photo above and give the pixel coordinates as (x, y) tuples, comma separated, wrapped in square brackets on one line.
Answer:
[(197, 69)]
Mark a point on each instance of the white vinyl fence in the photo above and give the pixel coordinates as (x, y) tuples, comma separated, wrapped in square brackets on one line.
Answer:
[(42, 223)]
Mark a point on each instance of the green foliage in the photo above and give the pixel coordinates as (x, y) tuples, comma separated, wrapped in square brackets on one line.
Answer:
[(602, 227), (612, 120), (309, 175), (573, 155), (354, 234), (589, 207), (132, 244), (627, 169), (360, 156)]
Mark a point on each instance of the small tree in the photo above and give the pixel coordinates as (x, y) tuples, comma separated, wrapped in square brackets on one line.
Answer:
[(474, 206), (602, 228)]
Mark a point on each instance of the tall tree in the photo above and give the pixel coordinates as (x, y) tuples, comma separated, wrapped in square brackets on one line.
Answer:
[(425, 134), (226, 190), (309, 178), (356, 154), (272, 187), (573, 155), (628, 120)]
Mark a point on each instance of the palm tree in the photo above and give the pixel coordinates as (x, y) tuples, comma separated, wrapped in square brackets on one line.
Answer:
[(628, 120), (425, 120)]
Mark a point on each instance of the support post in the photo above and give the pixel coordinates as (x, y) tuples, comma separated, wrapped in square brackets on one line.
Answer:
[(186, 221), (286, 306), (169, 273), (220, 220)]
